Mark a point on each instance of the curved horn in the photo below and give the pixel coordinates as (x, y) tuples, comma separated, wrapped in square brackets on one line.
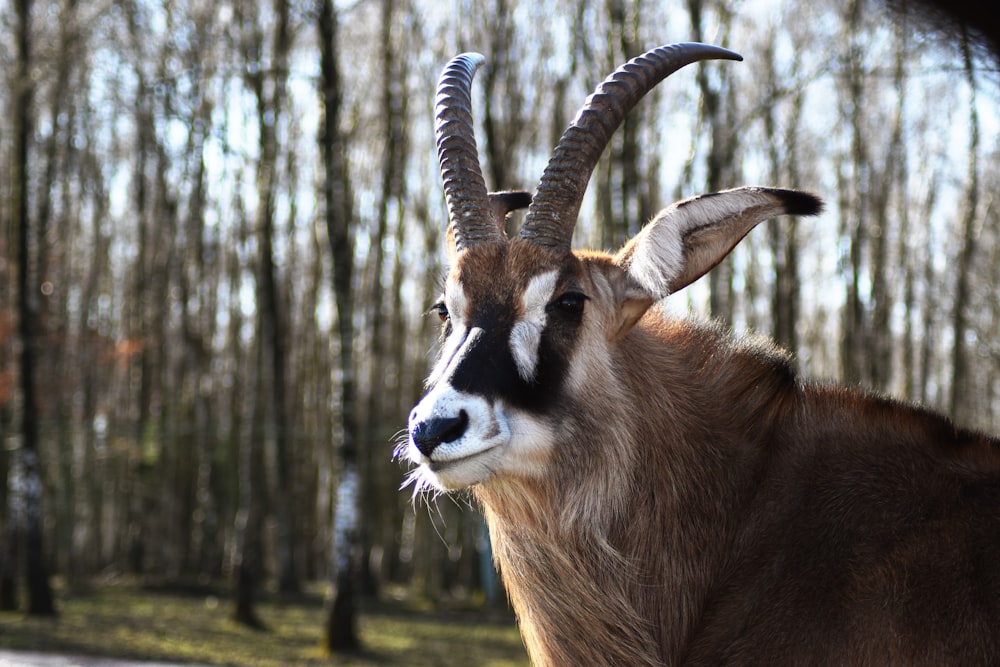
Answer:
[(470, 213), (552, 215)]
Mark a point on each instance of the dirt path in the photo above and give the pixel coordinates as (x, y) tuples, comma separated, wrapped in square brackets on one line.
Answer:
[(35, 659)]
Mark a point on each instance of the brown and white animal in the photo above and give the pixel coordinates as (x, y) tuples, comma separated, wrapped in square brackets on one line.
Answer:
[(659, 492)]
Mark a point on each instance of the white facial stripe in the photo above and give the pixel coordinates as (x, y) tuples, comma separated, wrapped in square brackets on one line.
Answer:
[(526, 334), (525, 338), (456, 348), (454, 299), (448, 351), (455, 302)]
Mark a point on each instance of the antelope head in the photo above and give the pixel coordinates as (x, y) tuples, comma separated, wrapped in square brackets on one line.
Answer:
[(530, 327)]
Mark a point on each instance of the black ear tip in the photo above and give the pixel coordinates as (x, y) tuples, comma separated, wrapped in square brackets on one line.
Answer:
[(801, 203), (520, 199)]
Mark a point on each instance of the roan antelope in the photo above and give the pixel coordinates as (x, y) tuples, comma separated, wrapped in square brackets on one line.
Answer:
[(659, 492)]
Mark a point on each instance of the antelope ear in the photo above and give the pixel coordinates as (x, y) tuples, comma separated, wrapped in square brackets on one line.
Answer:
[(506, 201), (633, 303), (687, 239)]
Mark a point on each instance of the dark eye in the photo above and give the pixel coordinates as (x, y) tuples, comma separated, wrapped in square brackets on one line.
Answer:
[(570, 303), (440, 310)]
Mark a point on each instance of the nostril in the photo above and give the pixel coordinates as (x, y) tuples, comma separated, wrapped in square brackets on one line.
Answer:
[(427, 435), (457, 428)]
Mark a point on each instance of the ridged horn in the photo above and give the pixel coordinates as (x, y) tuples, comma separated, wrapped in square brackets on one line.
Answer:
[(552, 214), (470, 213)]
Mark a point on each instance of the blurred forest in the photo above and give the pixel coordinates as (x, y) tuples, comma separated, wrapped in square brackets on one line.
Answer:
[(221, 227)]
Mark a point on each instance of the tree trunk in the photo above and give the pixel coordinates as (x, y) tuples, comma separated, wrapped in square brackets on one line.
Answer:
[(502, 123), (906, 258), (961, 405), (929, 277), (140, 320), (375, 488), (340, 633), (783, 233), (28, 469), (883, 184), (252, 492), (854, 202), (619, 187), (274, 339), (8, 549), (721, 155)]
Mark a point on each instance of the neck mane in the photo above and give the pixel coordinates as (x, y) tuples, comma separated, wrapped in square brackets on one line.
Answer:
[(595, 561)]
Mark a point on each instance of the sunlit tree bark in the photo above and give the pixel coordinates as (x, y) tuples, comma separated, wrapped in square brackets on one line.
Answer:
[(340, 631)]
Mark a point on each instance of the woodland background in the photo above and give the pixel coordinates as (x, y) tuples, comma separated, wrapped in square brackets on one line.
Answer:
[(221, 227)]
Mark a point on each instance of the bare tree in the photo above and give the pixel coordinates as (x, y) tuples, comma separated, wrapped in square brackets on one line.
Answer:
[(622, 204), (26, 473), (143, 317), (854, 204), (960, 403), (783, 237), (268, 85), (503, 122), (717, 108), (340, 631)]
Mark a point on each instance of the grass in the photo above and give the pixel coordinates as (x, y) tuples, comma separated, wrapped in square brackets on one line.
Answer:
[(194, 626)]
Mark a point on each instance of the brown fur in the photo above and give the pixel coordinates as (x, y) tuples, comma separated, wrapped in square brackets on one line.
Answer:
[(708, 508), (703, 506)]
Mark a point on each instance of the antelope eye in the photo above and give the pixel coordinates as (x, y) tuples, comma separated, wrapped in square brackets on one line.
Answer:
[(571, 303), (440, 310)]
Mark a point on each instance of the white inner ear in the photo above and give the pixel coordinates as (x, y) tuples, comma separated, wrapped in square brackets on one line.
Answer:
[(659, 254), (689, 238), (526, 334)]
